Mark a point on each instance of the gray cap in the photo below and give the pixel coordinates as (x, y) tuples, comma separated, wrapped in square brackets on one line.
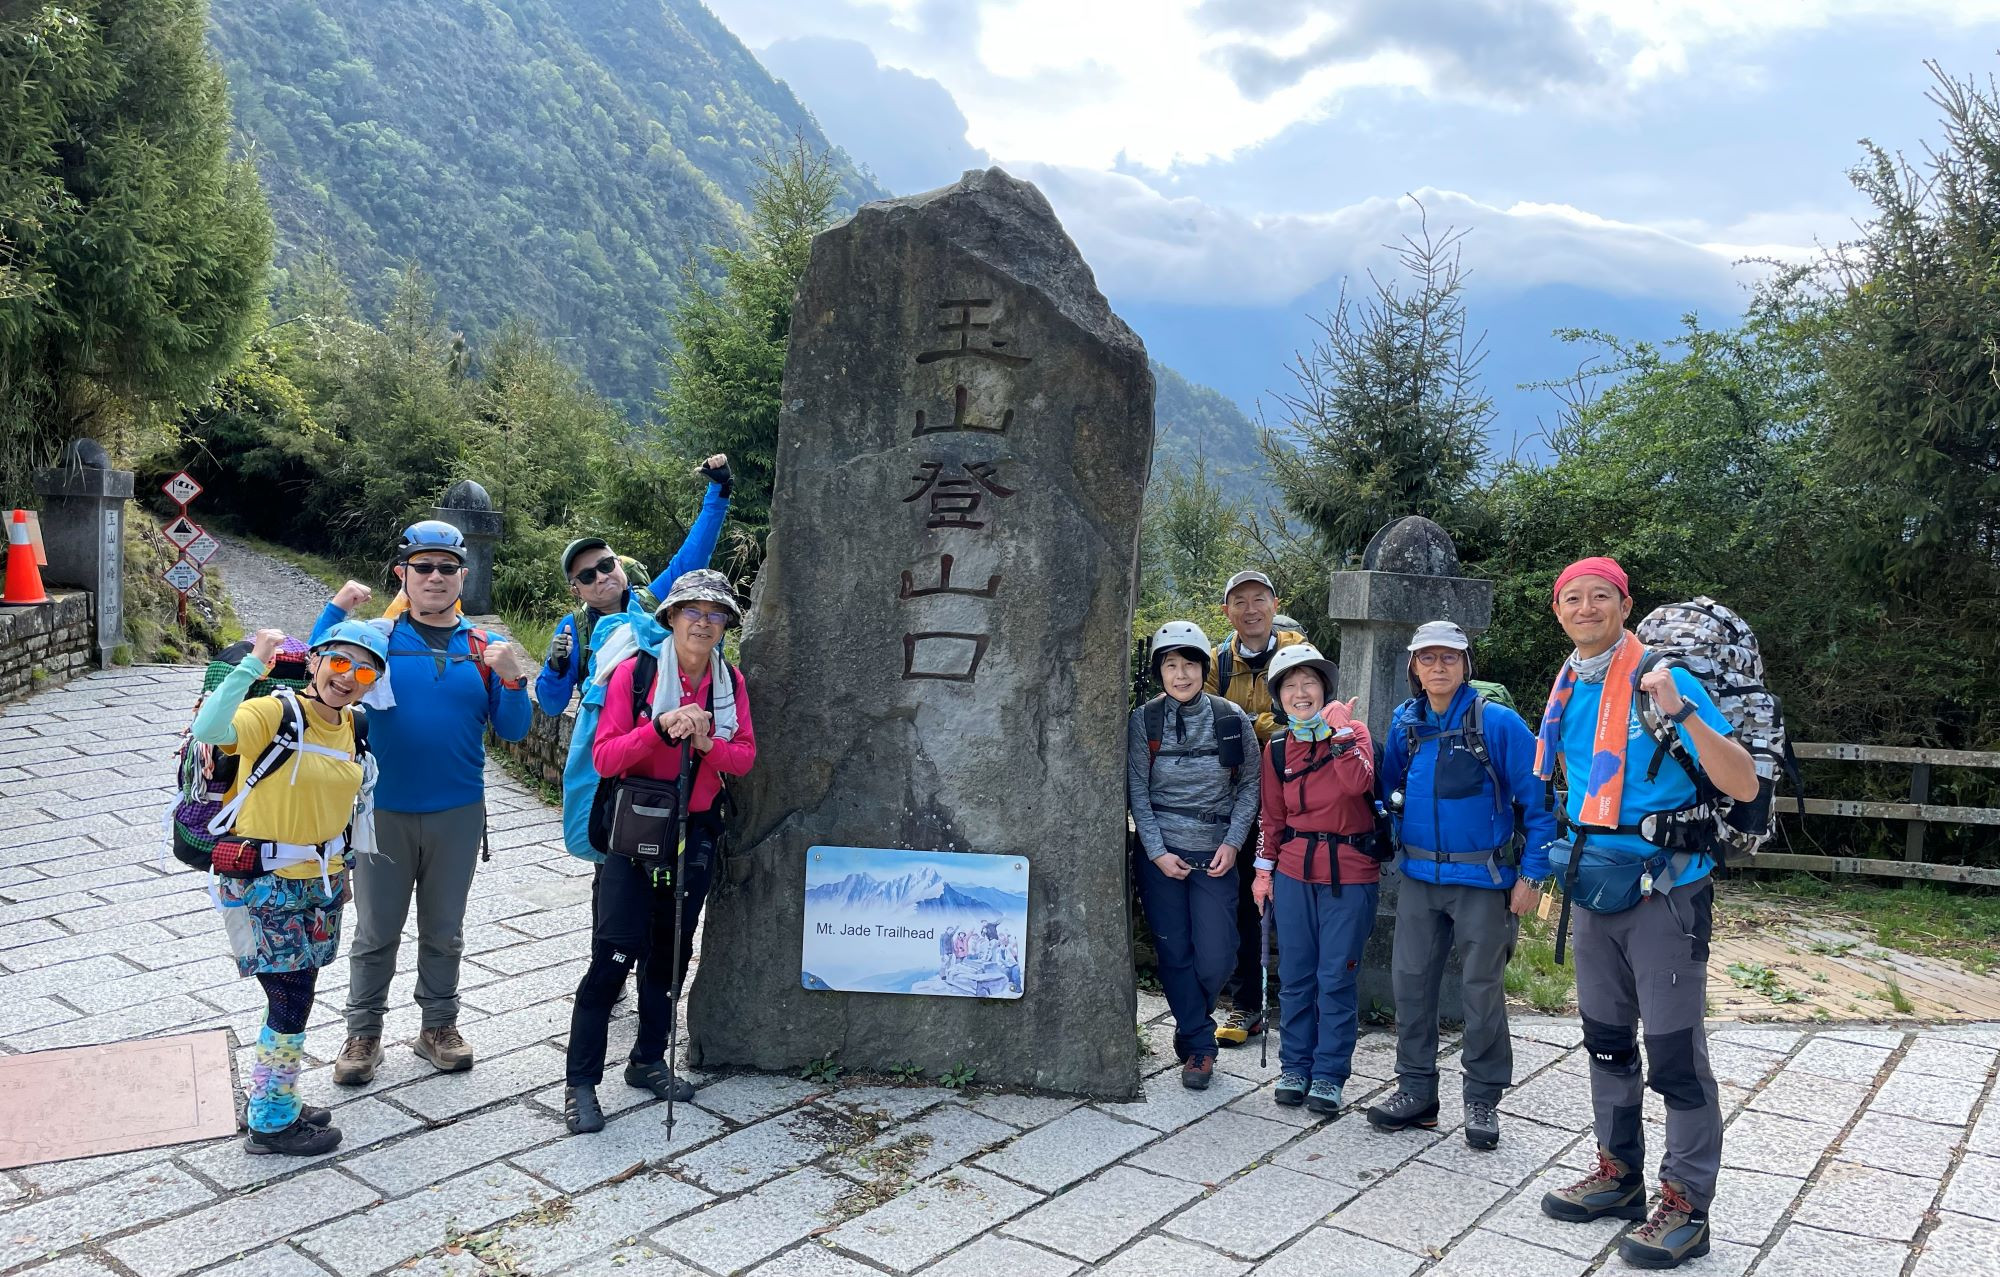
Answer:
[(1247, 578), (1440, 634)]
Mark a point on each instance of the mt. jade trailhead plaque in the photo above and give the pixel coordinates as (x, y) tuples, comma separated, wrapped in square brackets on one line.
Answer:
[(947, 924), (936, 654)]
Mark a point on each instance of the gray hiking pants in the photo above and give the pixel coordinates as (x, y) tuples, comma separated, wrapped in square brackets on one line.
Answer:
[(431, 855), (1430, 919), (1649, 965)]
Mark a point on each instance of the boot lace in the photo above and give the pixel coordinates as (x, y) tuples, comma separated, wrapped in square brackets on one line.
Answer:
[(1663, 1219), (447, 1037), (1608, 1171), (358, 1048)]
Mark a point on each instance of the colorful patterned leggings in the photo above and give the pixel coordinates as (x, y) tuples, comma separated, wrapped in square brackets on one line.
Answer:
[(274, 1096)]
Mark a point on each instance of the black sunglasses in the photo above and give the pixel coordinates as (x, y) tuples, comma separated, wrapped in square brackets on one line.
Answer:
[(429, 566), (601, 568)]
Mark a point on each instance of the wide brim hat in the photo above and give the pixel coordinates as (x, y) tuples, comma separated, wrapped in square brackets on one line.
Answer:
[(703, 585)]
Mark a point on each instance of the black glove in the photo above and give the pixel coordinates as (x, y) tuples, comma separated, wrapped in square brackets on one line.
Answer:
[(559, 649), (720, 476)]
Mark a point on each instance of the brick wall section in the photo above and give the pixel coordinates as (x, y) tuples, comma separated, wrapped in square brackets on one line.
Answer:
[(44, 645)]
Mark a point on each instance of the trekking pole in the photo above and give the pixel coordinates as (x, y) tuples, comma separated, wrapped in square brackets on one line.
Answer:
[(680, 908), (1264, 989)]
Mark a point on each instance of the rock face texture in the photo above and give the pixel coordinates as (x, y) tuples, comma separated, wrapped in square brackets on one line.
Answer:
[(936, 650)]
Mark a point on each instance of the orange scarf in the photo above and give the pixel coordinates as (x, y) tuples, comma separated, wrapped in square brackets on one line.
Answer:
[(1604, 787)]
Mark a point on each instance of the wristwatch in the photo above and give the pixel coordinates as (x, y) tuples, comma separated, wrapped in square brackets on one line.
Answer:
[(1683, 714)]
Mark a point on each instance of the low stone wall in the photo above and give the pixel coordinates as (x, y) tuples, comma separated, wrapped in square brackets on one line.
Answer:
[(44, 645), (546, 745)]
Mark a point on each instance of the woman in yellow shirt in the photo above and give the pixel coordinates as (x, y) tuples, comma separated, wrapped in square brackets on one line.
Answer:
[(284, 923)]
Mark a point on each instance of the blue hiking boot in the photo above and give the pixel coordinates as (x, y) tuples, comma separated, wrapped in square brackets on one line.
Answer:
[(1291, 1090), (1324, 1096)]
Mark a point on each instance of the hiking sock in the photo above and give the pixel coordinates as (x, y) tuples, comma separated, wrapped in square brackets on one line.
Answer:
[(274, 1093)]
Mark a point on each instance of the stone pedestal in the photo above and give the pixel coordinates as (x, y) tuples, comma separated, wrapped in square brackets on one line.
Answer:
[(467, 508), (1409, 574), (936, 653), (83, 529)]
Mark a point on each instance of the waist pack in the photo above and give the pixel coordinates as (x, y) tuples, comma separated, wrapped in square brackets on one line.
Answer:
[(1605, 880), (637, 817)]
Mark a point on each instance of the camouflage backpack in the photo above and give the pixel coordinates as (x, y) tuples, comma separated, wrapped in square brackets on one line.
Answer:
[(1718, 647)]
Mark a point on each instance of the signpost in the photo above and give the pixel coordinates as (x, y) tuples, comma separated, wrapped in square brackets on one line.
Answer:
[(186, 536)]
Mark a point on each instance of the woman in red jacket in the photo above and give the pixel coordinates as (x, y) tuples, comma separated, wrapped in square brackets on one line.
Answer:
[(696, 697), (1317, 805)]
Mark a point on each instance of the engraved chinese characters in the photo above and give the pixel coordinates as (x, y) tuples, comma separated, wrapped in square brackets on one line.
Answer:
[(936, 647)]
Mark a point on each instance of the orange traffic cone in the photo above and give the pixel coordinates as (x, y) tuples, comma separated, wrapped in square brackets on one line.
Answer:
[(24, 579)]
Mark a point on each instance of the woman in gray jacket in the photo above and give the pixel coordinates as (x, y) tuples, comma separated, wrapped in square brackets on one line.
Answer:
[(1192, 771)]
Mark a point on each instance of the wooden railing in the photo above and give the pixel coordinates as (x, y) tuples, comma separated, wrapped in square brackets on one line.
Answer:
[(1918, 812)]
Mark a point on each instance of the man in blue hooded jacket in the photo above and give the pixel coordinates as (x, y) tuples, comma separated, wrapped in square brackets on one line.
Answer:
[(1465, 771)]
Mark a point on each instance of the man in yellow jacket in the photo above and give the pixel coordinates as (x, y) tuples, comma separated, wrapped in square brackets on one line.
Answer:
[(1237, 674)]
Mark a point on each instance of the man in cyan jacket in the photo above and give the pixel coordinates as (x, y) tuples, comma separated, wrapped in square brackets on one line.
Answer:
[(1465, 770)]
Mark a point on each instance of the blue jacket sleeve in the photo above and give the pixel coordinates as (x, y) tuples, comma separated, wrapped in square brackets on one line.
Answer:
[(1529, 791), (509, 709), (699, 547), (553, 690), (329, 617)]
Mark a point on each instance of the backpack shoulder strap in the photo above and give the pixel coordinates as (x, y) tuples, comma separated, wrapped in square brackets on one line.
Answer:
[(1155, 720), (1278, 756), (1223, 712), (1225, 666), (360, 720), (645, 668), (285, 742), (476, 643)]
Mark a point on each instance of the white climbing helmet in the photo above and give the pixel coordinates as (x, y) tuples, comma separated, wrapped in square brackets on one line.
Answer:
[(1179, 636), (1295, 656)]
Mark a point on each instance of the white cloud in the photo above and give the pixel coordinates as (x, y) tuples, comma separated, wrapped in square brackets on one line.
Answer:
[(1146, 245)]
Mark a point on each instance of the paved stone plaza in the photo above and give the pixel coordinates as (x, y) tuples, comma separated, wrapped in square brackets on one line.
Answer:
[(1862, 1152)]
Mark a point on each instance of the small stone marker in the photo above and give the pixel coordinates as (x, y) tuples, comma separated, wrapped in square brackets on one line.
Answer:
[(937, 649)]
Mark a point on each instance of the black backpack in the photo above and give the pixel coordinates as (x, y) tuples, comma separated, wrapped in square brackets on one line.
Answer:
[(1229, 749)]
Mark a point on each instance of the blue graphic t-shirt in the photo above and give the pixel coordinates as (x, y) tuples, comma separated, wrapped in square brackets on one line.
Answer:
[(1665, 792)]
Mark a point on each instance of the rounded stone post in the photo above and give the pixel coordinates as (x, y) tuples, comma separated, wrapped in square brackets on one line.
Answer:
[(1409, 574), (467, 508), (83, 530)]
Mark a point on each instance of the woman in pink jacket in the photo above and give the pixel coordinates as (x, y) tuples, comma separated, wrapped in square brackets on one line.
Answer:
[(695, 697)]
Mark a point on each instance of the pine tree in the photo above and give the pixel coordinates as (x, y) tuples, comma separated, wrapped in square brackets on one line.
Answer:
[(134, 249)]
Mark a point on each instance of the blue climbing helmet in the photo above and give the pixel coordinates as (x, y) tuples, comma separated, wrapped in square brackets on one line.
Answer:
[(357, 634), (430, 534)]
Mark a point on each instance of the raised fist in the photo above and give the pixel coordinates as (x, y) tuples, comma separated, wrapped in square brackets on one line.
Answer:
[(264, 646), (716, 471), (351, 596), (559, 649), (504, 659)]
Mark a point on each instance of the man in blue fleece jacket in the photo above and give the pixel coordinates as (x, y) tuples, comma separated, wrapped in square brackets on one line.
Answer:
[(1466, 771), (427, 729)]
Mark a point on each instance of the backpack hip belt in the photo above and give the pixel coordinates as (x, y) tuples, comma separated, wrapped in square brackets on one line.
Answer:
[(1681, 829), (1314, 839), (1205, 816), (1489, 858)]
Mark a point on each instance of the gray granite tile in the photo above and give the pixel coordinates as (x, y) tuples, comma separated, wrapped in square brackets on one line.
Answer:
[(1419, 1208), (1809, 1252), (1329, 1252), (241, 1224), (1101, 1215), (1216, 1147), (1067, 1149), (1253, 1216), (932, 1219)]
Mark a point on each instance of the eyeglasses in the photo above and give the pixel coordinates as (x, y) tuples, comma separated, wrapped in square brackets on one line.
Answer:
[(427, 566), (363, 672), (590, 574), (1447, 657), (695, 614)]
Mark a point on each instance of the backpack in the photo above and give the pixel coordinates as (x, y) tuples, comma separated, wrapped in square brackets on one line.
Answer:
[(1377, 843), (203, 774), (1228, 734), (1470, 734), (1718, 647)]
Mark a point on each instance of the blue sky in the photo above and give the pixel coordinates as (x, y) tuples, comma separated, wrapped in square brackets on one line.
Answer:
[(1223, 164)]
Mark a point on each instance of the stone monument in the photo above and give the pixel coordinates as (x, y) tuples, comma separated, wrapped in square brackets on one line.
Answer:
[(1409, 574), (936, 651), (467, 508), (83, 530)]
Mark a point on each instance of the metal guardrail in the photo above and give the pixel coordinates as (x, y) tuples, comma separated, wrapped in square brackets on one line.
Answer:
[(1919, 812)]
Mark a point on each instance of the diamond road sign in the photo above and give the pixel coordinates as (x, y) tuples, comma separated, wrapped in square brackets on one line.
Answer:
[(203, 548), (182, 488), (183, 576), (183, 532)]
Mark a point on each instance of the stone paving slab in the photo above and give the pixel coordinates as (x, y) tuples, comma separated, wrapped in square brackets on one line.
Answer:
[(1849, 1151)]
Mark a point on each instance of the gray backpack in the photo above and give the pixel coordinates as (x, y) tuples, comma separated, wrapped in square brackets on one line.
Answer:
[(1718, 647)]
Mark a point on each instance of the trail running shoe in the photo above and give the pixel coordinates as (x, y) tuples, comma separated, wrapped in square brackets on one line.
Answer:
[(1238, 1028), (1676, 1232), (303, 1139), (1324, 1096), (1291, 1090), (358, 1060), (1196, 1071), (1612, 1190), (444, 1048)]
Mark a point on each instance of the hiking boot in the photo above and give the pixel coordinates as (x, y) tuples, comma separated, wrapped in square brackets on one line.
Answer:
[(357, 1061), (1403, 1110), (303, 1139), (1238, 1028), (1675, 1232), (1611, 1191), (581, 1112), (1196, 1071), (1324, 1096), (654, 1076), (1291, 1090), (1482, 1125), (444, 1048)]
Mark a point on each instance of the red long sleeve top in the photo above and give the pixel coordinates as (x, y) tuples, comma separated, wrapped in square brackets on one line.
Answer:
[(1334, 797), (627, 745)]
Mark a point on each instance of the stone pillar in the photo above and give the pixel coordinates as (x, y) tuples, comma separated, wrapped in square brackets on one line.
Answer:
[(936, 652), (467, 508), (83, 529), (1409, 574)]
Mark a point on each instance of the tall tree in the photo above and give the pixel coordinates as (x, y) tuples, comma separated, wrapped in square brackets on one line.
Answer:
[(136, 248), (1388, 417)]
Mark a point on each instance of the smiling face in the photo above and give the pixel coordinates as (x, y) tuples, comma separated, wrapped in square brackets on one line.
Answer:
[(1302, 693), (339, 689), (696, 629), (606, 589), (1181, 674), (1593, 614), (431, 591), (1440, 671), (1251, 607)]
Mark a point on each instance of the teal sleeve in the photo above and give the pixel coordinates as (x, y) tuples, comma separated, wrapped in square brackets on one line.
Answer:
[(216, 723)]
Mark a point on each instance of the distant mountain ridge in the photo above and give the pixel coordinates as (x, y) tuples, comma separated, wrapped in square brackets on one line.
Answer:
[(922, 891)]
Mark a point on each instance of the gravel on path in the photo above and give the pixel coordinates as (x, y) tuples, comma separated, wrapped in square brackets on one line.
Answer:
[(267, 592)]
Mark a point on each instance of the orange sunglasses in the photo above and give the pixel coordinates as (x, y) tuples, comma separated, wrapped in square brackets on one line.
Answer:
[(363, 674)]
